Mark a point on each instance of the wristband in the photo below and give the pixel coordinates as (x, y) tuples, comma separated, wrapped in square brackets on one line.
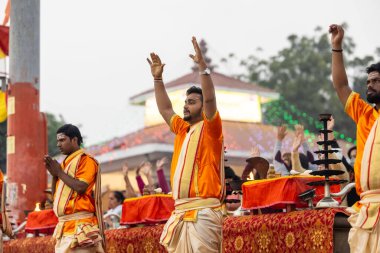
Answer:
[(337, 50)]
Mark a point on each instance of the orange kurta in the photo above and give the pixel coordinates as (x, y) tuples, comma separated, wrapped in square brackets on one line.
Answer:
[(364, 115), (86, 171), (207, 158)]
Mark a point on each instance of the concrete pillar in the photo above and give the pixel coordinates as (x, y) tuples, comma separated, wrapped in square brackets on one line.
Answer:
[(27, 135)]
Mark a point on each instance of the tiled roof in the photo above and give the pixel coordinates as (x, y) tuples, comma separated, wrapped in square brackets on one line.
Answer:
[(238, 136), (219, 80)]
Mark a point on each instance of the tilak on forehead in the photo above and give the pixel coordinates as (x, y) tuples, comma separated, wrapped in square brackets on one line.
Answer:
[(61, 135)]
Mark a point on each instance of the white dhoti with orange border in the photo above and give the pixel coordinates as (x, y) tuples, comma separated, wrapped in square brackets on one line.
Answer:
[(196, 223), (365, 232)]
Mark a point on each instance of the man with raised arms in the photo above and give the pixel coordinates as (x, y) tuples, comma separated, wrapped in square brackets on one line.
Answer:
[(197, 170), (365, 231)]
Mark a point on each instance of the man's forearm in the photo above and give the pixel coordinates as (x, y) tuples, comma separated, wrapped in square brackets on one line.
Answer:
[(53, 185), (208, 92), (296, 163), (130, 193), (140, 184), (339, 75), (162, 181), (162, 99), (75, 184)]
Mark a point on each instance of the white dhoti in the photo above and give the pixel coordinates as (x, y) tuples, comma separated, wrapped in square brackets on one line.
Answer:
[(63, 245), (85, 240), (204, 235), (362, 240), (364, 234)]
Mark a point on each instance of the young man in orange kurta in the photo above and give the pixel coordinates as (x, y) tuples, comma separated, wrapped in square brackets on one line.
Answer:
[(197, 170), (72, 186), (361, 238)]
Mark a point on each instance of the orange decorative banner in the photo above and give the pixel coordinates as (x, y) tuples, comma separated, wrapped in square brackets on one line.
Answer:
[(147, 209), (278, 192), (300, 231)]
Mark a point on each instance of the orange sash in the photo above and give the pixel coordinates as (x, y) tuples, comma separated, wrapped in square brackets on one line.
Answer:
[(64, 192)]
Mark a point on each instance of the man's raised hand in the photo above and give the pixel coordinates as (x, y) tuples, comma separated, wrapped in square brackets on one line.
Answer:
[(160, 163), (255, 151), (281, 132), (156, 66), (198, 57), (297, 141), (337, 34)]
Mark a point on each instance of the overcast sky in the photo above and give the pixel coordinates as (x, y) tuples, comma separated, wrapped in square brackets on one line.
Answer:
[(93, 53)]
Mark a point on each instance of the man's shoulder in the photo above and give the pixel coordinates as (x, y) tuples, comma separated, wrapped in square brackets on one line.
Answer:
[(178, 125), (88, 158), (357, 102)]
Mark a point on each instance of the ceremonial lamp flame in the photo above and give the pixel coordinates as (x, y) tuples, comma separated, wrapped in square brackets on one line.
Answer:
[(251, 177), (37, 209)]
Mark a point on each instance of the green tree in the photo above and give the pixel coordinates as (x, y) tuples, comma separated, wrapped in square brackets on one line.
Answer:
[(301, 73), (53, 123)]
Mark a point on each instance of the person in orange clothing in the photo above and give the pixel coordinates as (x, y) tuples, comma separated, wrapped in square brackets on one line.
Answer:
[(363, 237), (197, 169), (80, 224)]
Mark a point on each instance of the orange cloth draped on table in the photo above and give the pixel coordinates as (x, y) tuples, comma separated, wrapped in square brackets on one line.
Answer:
[(278, 192), (364, 115), (42, 221), (147, 209)]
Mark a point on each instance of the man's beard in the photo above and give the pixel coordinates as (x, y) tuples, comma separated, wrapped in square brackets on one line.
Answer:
[(374, 97), (187, 118)]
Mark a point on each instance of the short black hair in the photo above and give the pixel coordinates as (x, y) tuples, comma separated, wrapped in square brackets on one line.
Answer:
[(119, 196), (71, 131), (195, 89), (349, 152), (373, 68)]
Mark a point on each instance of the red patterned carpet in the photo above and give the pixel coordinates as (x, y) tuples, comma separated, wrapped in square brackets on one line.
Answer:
[(300, 231)]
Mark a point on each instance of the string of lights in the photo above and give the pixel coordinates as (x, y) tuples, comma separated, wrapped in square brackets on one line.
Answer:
[(281, 111)]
